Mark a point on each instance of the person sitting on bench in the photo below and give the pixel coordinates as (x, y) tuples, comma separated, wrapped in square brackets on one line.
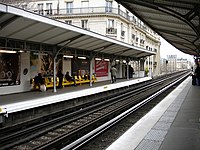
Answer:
[(39, 81), (69, 78)]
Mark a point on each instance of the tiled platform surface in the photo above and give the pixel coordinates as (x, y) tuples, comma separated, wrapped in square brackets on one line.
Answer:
[(174, 124)]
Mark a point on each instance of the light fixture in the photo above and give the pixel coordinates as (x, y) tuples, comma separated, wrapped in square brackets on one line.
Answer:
[(107, 59), (97, 58), (68, 56), (8, 51), (81, 57), (117, 60), (124, 61), (42, 54)]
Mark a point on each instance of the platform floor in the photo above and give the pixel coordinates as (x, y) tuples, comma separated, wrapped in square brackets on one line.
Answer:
[(21, 101), (25, 96), (174, 124)]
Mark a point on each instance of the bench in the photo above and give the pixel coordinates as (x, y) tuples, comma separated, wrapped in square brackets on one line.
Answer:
[(49, 81)]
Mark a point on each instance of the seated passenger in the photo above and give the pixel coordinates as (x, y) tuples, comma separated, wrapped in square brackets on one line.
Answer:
[(86, 76), (38, 81), (69, 78)]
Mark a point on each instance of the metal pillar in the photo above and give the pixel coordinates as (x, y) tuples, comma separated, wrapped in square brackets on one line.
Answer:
[(127, 71), (91, 69), (54, 74)]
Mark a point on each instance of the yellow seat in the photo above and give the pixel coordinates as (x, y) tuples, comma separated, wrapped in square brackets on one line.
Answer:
[(85, 80), (48, 82), (65, 82), (94, 79), (77, 80)]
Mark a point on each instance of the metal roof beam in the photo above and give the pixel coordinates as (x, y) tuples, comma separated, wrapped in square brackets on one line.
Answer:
[(79, 41), (8, 21), (46, 30), (120, 53), (71, 39), (53, 36), (104, 47), (94, 44)]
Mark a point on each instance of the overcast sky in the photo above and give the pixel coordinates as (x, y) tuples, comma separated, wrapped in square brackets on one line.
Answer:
[(168, 49)]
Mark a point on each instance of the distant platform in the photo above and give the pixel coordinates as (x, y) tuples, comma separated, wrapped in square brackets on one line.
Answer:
[(17, 102)]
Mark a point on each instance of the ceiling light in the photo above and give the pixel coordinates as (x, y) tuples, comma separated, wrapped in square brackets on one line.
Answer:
[(7, 51), (67, 56), (42, 54), (107, 59), (81, 57)]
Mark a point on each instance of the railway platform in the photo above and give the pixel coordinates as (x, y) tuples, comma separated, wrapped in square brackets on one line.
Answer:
[(172, 125), (12, 103)]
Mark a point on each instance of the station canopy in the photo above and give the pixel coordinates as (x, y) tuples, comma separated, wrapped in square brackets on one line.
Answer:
[(178, 22), (16, 23)]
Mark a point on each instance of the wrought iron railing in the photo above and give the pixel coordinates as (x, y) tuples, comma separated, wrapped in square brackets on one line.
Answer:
[(111, 31), (89, 10)]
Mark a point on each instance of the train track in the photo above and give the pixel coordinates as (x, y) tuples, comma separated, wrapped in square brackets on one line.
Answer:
[(78, 127)]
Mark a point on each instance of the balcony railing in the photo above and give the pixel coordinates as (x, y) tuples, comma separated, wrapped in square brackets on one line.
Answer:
[(122, 33), (111, 31), (88, 10)]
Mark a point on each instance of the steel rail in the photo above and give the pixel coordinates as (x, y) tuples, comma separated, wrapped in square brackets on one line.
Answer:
[(81, 141), (139, 90)]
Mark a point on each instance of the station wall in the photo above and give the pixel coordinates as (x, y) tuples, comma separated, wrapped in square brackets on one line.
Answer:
[(27, 71)]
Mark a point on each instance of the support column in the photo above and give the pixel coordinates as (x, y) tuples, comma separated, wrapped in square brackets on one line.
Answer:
[(127, 70), (54, 74), (120, 70), (91, 59), (138, 68), (142, 67)]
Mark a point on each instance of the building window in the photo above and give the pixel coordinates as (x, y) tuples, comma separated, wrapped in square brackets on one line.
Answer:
[(84, 24), (108, 6), (68, 21), (24, 6), (110, 27), (69, 7), (122, 30), (136, 39), (84, 7), (110, 23), (49, 8), (84, 4), (40, 9), (142, 41), (133, 36)]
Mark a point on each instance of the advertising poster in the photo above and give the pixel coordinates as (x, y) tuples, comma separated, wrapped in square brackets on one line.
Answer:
[(101, 68), (9, 69), (46, 65), (43, 63)]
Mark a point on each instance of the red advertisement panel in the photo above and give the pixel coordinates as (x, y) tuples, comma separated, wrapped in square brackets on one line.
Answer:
[(101, 68)]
